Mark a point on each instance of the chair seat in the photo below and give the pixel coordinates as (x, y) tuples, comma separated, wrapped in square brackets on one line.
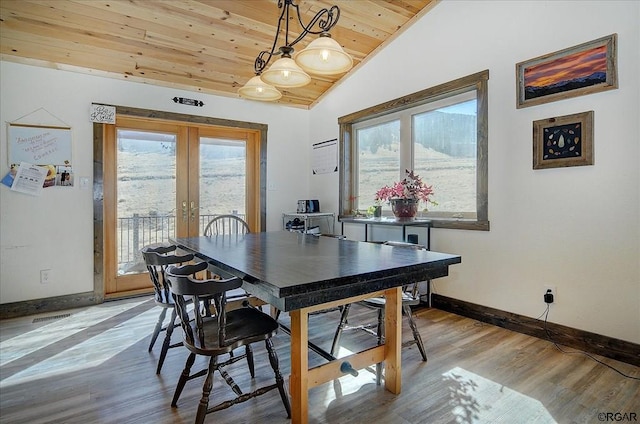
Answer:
[(243, 326), (168, 303), (165, 303), (378, 302), (236, 293)]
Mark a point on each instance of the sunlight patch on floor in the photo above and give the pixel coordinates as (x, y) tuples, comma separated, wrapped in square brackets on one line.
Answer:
[(475, 399), (23, 345), (91, 352)]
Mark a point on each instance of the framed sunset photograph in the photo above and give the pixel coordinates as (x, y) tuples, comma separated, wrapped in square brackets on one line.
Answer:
[(584, 69)]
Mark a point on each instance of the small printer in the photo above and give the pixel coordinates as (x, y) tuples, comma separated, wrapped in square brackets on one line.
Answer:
[(308, 206)]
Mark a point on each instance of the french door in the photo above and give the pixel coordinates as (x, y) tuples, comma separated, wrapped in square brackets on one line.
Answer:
[(165, 179)]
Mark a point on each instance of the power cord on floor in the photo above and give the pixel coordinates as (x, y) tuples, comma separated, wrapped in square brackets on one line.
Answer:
[(548, 333)]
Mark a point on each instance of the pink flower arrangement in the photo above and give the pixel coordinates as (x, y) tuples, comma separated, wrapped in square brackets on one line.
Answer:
[(411, 187)]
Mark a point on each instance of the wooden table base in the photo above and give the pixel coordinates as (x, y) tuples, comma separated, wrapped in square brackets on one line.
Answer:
[(302, 378)]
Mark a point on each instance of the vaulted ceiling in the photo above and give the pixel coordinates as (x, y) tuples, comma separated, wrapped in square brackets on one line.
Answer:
[(207, 46)]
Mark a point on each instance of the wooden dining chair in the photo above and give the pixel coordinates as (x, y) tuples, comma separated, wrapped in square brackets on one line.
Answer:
[(410, 297), (214, 336), (157, 259), (232, 225), (226, 225)]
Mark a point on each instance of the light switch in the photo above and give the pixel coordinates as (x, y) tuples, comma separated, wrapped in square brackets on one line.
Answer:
[(84, 183)]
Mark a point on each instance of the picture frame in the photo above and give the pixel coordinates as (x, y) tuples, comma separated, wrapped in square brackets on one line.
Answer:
[(563, 141), (576, 71)]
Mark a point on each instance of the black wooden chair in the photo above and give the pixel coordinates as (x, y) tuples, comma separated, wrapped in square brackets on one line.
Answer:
[(217, 335), (157, 260), (410, 297)]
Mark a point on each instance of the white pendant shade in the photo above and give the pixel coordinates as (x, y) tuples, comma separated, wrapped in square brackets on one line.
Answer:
[(324, 56), (285, 73), (256, 89)]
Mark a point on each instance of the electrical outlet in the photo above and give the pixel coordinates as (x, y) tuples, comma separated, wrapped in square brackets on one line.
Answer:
[(551, 290), (45, 276)]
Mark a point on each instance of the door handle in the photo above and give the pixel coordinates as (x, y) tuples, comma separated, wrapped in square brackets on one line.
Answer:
[(184, 211)]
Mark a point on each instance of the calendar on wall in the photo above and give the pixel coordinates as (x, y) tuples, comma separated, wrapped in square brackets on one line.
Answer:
[(324, 157)]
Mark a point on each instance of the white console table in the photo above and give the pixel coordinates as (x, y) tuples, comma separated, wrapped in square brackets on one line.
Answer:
[(309, 218), (389, 222)]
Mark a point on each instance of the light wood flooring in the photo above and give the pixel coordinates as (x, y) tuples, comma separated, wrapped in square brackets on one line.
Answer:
[(92, 366)]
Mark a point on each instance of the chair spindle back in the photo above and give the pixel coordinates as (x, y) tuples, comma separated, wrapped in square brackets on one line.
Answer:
[(184, 287), (157, 260), (226, 225)]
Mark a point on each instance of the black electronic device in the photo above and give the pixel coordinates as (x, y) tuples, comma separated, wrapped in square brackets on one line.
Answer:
[(308, 206)]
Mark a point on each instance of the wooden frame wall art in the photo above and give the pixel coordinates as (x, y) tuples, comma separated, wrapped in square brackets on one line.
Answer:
[(563, 141), (584, 69)]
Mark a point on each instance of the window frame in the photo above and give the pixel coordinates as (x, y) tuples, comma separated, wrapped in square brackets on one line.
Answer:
[(348, 145)]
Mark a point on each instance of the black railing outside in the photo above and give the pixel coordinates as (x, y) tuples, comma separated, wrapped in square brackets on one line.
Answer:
[(138, 231)]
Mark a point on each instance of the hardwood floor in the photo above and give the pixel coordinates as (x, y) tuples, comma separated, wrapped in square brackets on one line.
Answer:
[(92, 366)]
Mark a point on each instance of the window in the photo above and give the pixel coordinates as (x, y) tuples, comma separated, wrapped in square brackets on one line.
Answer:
[(223, 178), (440, 133)]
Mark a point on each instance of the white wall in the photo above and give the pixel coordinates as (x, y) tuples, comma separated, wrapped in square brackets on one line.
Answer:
[(55, 231), (575, 228)]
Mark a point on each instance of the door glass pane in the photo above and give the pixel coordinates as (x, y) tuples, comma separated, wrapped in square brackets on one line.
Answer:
[(222, 178), (445, 146), (378, 160), (146, 194)]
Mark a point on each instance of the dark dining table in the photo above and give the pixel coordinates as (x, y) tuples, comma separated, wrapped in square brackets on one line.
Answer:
[(302, 273)]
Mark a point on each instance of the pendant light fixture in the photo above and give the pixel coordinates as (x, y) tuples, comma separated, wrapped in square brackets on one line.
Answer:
[(323, 56), (257, 89), (285, 72)]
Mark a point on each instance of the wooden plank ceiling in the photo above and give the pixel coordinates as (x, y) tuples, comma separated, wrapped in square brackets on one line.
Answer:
[(206, 46)]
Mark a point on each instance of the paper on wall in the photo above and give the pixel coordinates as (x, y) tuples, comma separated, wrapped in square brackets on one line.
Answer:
[(29, 179)]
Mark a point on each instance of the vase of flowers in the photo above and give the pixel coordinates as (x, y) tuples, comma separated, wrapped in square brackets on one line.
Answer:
[(405, 195), (404, 208)]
